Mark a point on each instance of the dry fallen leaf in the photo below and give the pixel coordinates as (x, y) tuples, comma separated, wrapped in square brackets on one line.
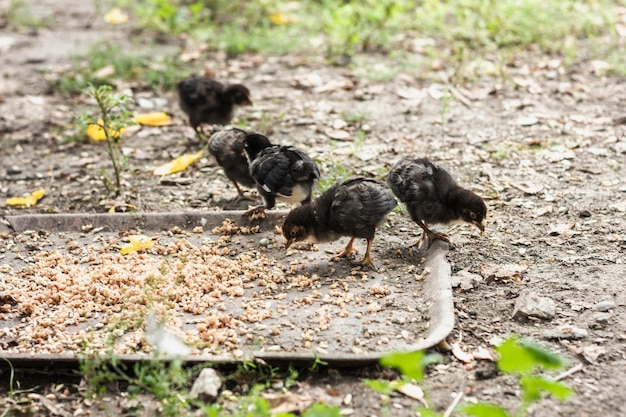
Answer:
[(413, 391), (115, 16), (591, 353), (460, 354), (28, 201), (136, 243), (502, 272), (179, 164), (288, 402), (282, 19), (95, 131), (153, 119), (338, 134), (528, 187), (484, 354)]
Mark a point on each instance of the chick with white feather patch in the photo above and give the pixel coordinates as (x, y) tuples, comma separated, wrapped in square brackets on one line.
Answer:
[(282, 173)]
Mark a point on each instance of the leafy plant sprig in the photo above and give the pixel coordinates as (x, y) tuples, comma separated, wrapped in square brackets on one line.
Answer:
[(520, 358), (112, 117), (523, 358)]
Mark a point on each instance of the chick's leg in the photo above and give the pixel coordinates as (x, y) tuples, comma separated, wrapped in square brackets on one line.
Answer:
[(367, 260), (347, 251), (259, 211), (254, 213), (240, 194), (430, 235)]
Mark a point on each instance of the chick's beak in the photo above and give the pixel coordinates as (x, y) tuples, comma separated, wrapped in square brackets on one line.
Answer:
[(248, 101), (288, 242), (480, 226)]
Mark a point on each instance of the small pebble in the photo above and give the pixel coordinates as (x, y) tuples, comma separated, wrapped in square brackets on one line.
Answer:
[(567, 332), (600, 320), (604, 306), (584, 213)]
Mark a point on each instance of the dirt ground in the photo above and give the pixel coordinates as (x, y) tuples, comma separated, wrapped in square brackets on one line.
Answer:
[(545, 146)]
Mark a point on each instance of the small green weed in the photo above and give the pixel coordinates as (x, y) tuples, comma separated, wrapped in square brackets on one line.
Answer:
[(20, 15), (357, 25), (169, 16), (111, 117), (167, 381), (158, 73), (520, 358)]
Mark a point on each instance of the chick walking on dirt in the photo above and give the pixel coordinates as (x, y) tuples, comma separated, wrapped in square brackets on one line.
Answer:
[(432, 196), (208, 101)]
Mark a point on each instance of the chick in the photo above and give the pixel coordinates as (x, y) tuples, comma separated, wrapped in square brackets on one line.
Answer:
[(352, 208), (206, 100), (281, 172), (432, 196), (227, 146)]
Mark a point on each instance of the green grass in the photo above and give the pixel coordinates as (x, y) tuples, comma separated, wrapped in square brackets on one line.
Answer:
[(22, 15), (169, 384), (469, 38), (158, 73), (461, 29)]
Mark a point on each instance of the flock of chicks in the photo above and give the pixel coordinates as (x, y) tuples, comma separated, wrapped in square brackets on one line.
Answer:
[(353, 208)]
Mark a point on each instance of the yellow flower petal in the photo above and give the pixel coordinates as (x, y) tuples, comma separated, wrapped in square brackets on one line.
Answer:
[(136, 243), (153, 119), (179, 164), (31, 200), (281, 19), (95, 132), (115, 16)]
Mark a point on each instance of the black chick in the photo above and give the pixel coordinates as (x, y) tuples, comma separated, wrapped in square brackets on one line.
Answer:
[(281, 172), (352, 208), (227, 146), (206, 100), (432, 196)]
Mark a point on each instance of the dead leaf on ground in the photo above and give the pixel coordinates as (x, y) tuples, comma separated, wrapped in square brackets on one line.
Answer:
[(542, 211), (484, 354), (27, 201), (413, 391), (502, 272), (105, 72), (115, 16), (563, 229), (179, 164), (557, 154), (592, 353), (153, 119), (337, 134), (335, 85), (280, 19), (411, 93), (460, 354), (528, 187), (96, 133), (136, 243), (308, 80), (288, 402)]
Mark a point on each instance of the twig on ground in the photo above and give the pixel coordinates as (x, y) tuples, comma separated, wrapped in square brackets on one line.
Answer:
[(569, 372), (454, 403), (455, 92)]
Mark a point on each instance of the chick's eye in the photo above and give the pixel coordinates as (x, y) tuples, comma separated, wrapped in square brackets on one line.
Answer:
[(293, 233), (473, 215)]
